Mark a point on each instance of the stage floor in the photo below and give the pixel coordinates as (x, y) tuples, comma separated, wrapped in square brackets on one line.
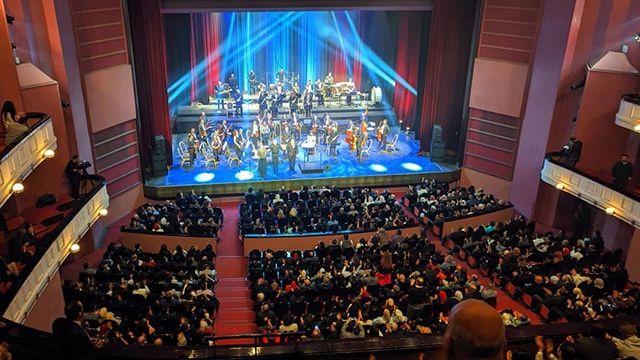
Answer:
[(403, 166)]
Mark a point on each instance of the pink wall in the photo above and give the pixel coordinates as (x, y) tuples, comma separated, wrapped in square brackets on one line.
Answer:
[(547, 63), (498, 86), (48, 307), (632, 264), (9, 87), (600, 103)]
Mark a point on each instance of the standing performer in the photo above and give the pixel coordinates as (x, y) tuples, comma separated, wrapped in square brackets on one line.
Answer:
[(281, 76), (220, 93), (359, 141), (307, 102), (192, 144), (238, 99), (351, 87), (255, 133), (216, 147), (238, 144), (262, 161), (292, 153), (349, 138), (233, 82), (296, 127), (202, 126), (275, 151), (320, 92), (383, 131), (253, 82), (262, 101)]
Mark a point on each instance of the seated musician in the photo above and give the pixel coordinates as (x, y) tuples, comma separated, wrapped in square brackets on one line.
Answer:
[(309, 145), (320, 92), (233, 82), (307, 101), (351, 87), (286, 133), (255, 132), (332, 138), (296, 127), (216, 147), (349, 138), (263, 104), (265, 131)]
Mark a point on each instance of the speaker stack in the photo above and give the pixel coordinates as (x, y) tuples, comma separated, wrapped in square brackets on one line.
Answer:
[(437, 144), (159, 157)]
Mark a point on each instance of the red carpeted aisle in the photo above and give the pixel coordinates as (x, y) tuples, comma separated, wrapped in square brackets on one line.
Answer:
[(236, 315)]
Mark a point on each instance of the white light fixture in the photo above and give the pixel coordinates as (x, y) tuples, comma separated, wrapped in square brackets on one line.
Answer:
[(610, 210), (75, 248), (17, 188), (636, 128), (104, 212), (560, 186), (49, 154)]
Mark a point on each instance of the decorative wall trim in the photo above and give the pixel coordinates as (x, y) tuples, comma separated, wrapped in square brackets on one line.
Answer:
[(19, 159), (592, 191), (55, 254)]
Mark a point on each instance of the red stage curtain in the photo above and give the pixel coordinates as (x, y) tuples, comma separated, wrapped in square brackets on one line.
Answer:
[(407, 65), (147, 38), (205, 61)]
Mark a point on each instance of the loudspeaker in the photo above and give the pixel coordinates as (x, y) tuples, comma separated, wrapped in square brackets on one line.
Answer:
[(437, 144), (158, 157)]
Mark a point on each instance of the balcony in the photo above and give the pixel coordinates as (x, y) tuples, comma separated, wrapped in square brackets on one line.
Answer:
[(628, 115), (20, 158), (621, 204), (33, 278)]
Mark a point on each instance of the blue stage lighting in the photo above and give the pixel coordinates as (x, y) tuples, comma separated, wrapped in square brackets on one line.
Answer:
[(411, 166), (378, 168), (243, 175), (204, 177)]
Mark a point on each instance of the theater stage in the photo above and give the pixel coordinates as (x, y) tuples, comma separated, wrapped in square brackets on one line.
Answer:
[(401, 167)]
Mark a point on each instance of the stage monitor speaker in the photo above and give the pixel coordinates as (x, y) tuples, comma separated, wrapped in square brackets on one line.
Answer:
[(437, 144), (158, 157), (312, 168)]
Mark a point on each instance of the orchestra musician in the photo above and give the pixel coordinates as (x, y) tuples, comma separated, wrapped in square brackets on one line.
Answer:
[(216, 147), (296, 127), (360, 139), (255, 133), (351, 87), (276, 99), (309, 144), (262, 161), (238, 102), (307, 102), (233, 82), (281, 76), (383, 132), (238, 144), (285, 134), (275, 151), (263, 98), (332, 139), (253, 82), (328, 83), (265, 130), (202, 126), (220, 93), (292, 153), (192, 143), (320, 92), (293, 99), (349, 138)]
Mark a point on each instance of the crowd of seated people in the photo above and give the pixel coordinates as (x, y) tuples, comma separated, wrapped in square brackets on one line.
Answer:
[(189, 214), (367, 289), (574, 278), (320, 210), (22, 248), (598, 343), (438, 202), (134, 297)]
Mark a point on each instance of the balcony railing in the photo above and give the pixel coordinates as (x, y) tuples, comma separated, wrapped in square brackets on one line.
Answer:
[(20, 158), (628, 115), (35, 276), (597, 192)]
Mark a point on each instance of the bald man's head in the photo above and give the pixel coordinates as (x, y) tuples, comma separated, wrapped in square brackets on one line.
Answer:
[(475, 331)]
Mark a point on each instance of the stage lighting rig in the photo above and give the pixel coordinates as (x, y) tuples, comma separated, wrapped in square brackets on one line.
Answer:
[(11, 19), (636, 37)]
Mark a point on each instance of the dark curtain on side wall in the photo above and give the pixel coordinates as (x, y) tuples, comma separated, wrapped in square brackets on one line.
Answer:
[(408, 57), (147, 40)]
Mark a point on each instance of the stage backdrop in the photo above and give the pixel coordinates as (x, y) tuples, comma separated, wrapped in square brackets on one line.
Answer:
[(375, 48)]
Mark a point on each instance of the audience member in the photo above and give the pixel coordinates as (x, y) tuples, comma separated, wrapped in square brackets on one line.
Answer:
[(475, 331), (596, 346), (189, 214), (69, 334), (321, 210), (11, 120), (138, 297), (629, 345), (621, 172)]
